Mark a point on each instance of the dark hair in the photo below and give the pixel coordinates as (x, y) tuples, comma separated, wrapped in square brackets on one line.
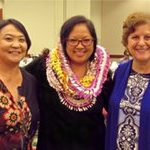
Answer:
[(19, 26), (131, 22), (68, 26)]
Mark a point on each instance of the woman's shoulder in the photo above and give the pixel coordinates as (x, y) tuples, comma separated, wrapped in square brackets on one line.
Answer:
[(27, 75), (123, 67), (124, 64)]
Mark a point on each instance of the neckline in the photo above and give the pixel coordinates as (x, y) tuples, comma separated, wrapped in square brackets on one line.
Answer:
[(146, 75)]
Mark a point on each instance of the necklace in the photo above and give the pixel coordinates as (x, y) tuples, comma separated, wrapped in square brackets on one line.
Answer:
[(78, 95)]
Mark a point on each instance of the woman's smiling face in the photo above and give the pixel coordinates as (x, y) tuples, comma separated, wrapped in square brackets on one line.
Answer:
[(139, 43), (13, 45), (79, 44)]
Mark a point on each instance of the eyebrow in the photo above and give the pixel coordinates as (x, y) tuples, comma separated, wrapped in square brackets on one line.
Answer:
[(8, 34), (80, 38)]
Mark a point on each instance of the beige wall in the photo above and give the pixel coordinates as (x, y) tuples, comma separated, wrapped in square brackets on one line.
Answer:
[(77, 7), (113, 14), (95, 15), (43, 18)]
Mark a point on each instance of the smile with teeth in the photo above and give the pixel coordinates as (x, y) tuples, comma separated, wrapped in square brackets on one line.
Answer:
[(80, 53), (142, 48), (14, 52)]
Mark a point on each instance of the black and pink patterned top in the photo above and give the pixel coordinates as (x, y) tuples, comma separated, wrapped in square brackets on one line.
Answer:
[(18, 120)]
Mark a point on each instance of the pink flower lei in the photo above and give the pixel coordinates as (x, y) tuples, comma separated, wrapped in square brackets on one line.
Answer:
[(73, 93)]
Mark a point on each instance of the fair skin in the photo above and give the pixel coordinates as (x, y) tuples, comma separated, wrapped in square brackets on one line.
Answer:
[(139, 47), (13, 48), (79, 55)]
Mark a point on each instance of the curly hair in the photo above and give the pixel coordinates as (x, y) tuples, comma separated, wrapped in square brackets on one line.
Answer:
[(131, 22)]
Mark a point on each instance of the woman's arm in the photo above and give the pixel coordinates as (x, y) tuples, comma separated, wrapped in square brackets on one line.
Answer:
[(107, 89)]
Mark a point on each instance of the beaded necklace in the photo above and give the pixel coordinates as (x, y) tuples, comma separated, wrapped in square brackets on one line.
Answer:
[(78, 95)]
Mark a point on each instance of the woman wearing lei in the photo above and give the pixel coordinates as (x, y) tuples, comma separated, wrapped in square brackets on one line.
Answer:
[(74, 87)]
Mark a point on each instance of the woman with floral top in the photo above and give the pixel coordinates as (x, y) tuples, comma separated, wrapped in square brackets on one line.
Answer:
[(18, 100), (74, 87), (129, 112)]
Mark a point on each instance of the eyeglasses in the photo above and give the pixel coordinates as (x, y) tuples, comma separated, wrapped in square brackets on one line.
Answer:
[(84, 42)]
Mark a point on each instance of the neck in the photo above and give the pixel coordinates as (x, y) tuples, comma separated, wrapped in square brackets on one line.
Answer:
[(8, 71), (80, 70), (141, 67)]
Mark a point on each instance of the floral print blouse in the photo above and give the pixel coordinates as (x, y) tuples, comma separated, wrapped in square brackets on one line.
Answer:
[(15, 120)]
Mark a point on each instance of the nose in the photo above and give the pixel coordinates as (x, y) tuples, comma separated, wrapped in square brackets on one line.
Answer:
[(16, 43), (141, 41), (80, 45)]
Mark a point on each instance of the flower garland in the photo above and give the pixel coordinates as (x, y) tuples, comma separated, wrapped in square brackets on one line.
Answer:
[(78, 95)]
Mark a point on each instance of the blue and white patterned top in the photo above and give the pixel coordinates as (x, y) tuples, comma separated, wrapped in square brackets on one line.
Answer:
[(129, 112)]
